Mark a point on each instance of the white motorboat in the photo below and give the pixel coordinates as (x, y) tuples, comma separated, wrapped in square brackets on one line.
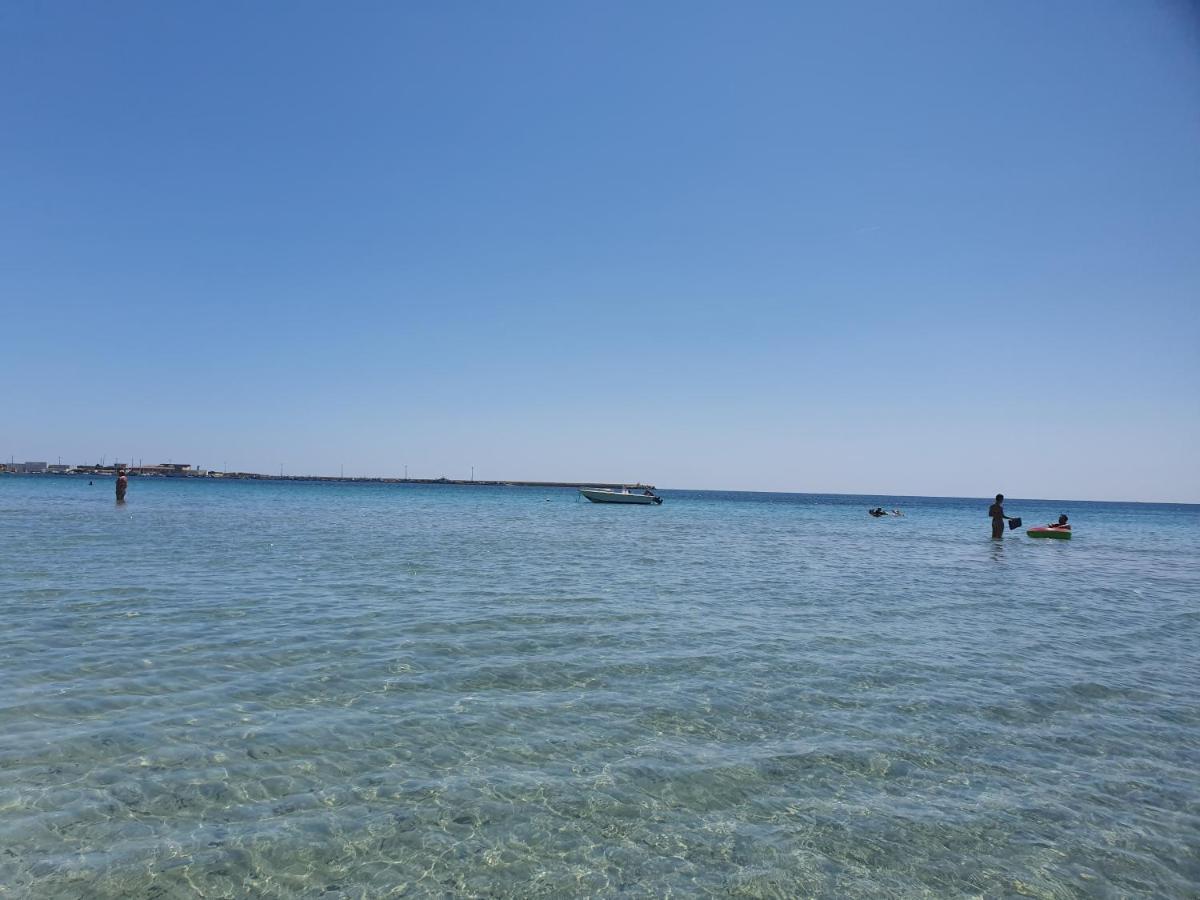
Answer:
[(643, 496)]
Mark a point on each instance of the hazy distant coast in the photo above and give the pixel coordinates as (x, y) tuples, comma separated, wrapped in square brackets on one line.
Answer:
[(184, 470)]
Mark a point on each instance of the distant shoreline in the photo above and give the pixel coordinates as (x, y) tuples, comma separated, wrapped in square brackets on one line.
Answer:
[(256, 476), (466, 482)]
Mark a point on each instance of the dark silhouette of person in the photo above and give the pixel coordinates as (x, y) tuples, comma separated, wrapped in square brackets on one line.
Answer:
[(122, 486), (996, 511), (1061, 523)]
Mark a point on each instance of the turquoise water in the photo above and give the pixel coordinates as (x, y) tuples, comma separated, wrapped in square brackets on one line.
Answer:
[(232, 689)]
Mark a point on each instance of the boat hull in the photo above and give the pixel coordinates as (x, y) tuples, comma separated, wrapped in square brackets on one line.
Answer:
[(597, 495)]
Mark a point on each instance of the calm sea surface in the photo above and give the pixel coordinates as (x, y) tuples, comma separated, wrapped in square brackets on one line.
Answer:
[(239, 689)]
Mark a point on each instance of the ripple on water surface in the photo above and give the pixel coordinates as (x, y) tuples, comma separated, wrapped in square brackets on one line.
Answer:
[(233, 689)]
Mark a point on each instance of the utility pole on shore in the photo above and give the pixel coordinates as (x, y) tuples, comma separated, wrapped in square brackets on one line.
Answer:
[(406, 471), (281, 470), (472, 473)]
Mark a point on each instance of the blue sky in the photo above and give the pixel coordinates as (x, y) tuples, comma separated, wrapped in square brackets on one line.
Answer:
[(928, 248)]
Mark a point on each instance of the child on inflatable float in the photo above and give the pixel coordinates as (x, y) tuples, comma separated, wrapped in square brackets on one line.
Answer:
[(1059, 529)]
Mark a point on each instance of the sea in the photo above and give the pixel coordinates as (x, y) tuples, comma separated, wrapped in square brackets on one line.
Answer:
[(306, 689)]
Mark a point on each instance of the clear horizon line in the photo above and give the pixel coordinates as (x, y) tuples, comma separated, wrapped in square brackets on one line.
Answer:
[(534, 482)]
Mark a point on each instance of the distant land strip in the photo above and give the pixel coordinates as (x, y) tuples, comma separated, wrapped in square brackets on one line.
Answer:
[(177, 470)]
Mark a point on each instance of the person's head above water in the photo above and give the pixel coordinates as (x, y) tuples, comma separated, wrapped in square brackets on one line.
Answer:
[(1062, 520)]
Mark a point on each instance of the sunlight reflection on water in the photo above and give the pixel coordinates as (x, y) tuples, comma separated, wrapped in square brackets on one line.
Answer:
[(290, 689)]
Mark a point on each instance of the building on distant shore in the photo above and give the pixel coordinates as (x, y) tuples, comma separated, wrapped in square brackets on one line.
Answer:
[(27, 468), (99, 469), (170, 470)]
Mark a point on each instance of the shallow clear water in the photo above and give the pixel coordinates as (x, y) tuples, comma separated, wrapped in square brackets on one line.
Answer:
[(231, 689)]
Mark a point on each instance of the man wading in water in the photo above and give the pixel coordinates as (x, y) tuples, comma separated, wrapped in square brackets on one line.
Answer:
[(122, 486)]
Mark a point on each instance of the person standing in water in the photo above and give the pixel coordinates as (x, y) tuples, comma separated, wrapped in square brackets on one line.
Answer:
[(996, 511), (122, 486)]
